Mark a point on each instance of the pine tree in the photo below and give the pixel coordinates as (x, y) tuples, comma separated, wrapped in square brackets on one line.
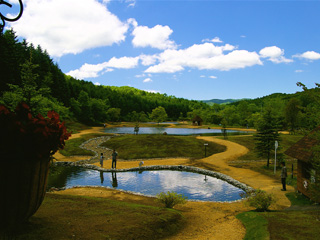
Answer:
[(266, 136)]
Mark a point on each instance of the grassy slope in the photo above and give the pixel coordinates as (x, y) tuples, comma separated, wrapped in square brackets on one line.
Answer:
[(75, 217), (160, 146)]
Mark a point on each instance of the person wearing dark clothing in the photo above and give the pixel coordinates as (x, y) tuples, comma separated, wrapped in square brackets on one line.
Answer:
[(283, 176), (114, 159)]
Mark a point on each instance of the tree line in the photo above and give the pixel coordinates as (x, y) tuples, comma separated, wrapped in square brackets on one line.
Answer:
[(29, 74)]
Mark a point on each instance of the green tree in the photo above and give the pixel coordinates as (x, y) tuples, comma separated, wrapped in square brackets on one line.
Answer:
[(266, 136), (159, 115), (292, 114), (114, 114)]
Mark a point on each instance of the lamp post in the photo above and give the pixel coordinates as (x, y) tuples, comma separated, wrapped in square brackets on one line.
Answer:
[(276, 144), (205, 149)]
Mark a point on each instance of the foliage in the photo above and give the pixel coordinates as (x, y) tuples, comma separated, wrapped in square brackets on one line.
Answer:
[(266, 136), (49, 88), (28, 135), (170, 199), (260, 200), (159, 114)]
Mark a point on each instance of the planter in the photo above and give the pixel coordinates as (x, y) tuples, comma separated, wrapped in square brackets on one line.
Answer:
[(23, 186)]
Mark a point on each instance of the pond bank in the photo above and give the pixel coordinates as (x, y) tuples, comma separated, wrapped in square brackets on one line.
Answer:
[(204, 220)]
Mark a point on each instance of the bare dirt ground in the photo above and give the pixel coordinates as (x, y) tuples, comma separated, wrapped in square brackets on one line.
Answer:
[(204, 220)]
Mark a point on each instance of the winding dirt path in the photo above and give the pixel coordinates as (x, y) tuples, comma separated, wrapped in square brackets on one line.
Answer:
[(205, 220)]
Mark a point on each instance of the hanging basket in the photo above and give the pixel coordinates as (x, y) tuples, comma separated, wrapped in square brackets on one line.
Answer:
[(23, 187)]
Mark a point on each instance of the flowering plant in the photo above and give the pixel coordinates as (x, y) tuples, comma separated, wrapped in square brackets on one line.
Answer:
[(30, 137)]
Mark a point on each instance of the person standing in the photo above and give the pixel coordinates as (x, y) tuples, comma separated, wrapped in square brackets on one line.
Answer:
[(114, 159), (101, 159), (283, 176)]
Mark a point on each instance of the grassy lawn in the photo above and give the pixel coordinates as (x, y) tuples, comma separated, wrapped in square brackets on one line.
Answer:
[(294, 224), (255, 224), (161, 146), (75, 217)]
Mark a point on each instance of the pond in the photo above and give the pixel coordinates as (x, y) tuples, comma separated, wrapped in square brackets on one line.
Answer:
[(170, 131), (194, 186)]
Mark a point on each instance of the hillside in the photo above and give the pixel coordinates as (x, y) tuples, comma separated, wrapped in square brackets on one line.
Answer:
[(220, 101)]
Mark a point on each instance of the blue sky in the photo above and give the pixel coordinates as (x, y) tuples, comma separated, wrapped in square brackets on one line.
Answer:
[(192, 49)]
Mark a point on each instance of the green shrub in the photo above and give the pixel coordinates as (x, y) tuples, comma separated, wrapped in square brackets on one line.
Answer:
[(170, 199), (260, 200)]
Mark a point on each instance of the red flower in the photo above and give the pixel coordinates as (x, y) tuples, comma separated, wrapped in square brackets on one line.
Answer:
[(21, 133)]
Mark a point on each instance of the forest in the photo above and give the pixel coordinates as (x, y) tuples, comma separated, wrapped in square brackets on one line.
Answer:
[(29, 74)]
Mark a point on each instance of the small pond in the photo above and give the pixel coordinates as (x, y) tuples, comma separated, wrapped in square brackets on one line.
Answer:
[(195, 186), (170, 131)]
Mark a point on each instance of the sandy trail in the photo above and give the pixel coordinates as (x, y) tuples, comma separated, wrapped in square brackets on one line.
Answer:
[(204, 220)]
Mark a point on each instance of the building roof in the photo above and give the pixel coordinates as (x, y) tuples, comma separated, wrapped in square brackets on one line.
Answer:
[(302, 150)]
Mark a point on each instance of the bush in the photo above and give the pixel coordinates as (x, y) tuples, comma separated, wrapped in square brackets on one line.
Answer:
[(170, 199), (260, 200)]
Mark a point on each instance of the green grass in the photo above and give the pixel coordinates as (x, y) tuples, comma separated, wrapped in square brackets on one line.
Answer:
[(293, 225), (161, 146), (72, 147), (298, 199), (255, 224), (75, 217), (75, 127)]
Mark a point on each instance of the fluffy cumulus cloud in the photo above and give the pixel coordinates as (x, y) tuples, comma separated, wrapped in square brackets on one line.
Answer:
[(72, 26), (309, 55), (204, 56), (156, 37), (95, 70), (274, 54)]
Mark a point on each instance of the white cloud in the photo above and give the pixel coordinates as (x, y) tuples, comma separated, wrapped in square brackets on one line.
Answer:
[(147, 80), (202, 76), (62, 27), (298, 71), (131, 3), (89, 71), (213, 77), (123, 62), (95, 70), (156, 37), (309, 55), (214, 40), (97, 84), (274, 54), (204, 56), (147, 60)]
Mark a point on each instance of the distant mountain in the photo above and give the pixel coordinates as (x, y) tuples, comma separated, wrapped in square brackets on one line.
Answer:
[(220, 101)]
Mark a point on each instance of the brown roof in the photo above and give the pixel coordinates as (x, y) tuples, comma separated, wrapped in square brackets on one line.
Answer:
[(302, 149)]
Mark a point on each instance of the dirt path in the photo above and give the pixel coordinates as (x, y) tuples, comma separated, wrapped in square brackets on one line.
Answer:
[(204, 220)]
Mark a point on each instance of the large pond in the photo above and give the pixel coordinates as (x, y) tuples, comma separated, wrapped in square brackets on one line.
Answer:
[(194, 186), (170, 131)]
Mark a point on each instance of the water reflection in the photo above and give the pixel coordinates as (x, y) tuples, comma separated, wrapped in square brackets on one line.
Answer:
[(170, 131), (101, 177), (194, 186), (114, 180)]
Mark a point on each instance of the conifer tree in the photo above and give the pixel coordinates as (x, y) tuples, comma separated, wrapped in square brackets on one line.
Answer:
[(266, 136)]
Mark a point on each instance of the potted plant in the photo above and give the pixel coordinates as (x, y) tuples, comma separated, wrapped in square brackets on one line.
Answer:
[(26, 144)]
